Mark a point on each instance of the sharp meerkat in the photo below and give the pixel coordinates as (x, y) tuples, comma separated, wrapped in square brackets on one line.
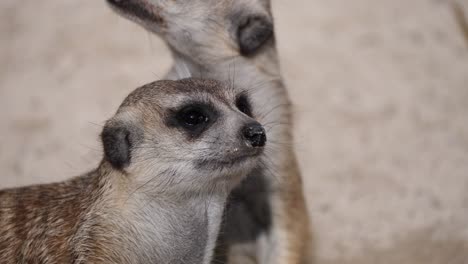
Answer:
[(234, 40), (172, 153)]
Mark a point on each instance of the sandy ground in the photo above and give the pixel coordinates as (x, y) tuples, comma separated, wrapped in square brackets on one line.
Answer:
[(381, 102)]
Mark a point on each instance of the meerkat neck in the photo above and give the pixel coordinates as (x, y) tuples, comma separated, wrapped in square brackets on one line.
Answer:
[(159, 226), (164, 231), (264, 66)]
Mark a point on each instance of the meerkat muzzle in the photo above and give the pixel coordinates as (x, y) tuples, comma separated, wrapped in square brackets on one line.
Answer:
[(255, 135)]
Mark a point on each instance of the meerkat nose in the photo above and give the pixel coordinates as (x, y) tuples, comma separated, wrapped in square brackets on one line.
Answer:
[(255, 135)]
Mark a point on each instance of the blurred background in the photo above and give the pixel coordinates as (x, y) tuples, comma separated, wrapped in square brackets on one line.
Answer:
[(380, 92)]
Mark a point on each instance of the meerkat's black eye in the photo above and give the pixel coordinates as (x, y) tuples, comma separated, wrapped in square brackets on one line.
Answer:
[(243, 104), (192, 117)]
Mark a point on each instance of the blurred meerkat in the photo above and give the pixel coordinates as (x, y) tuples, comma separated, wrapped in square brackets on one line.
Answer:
[(234, 41), (172, 153)]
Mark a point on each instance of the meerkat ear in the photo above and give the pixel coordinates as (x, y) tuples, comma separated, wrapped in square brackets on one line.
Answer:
[(117, 140), (252, 33)]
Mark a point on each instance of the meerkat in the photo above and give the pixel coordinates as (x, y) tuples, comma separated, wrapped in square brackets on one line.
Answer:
[(172, 153), (266, 219)]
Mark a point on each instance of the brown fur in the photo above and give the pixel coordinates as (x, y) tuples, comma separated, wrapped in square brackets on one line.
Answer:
[(39, 222)]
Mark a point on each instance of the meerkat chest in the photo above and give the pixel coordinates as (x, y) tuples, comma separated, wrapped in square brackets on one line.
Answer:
[(175, 232)]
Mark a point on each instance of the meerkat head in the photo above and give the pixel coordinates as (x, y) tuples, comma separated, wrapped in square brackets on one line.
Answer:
[(210, 29), (186, 134)]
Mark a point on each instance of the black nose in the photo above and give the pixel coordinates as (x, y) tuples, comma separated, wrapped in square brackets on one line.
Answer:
[(254, 134)]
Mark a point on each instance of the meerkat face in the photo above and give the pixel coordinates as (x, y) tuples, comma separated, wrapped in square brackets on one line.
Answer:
[(197, 130), (214, 29)]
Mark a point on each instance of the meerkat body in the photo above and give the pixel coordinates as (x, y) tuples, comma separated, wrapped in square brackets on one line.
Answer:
[(172, 153), (234, 41)]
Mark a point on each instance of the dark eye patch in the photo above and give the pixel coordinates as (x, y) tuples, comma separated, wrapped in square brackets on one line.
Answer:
[(243, 104), (253, 33), (193, 118)]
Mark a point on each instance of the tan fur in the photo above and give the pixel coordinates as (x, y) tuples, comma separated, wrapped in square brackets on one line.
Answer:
[(160, 207), (203, 36)]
